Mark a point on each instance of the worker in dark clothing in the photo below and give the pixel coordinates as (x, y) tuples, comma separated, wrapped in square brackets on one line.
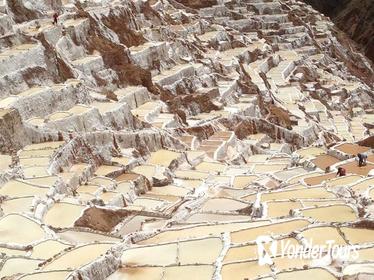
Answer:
[(362, 158), (341, 172), (55, 18)]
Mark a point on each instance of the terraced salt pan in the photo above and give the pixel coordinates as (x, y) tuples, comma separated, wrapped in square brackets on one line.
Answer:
[(101, 181), (257, 158), (211, 167), (363, 185), (42, 161), (371, 194), (247, 235), (351, 149), (323, 202), (138, 273), (5, 161), (222, 180), (199, 231), (154, 224), (81, 197), (243, 181), (103, 170), (44, 146), (240, 253), (223, 204), (318, 192), (105, 107), (124, 187), (296, 186), (358, 235), (352, 167), (63, 214), (313, 273), (285, 263), (18, 229), (247, 252), (321, 235), (323, 161), (336, 213), (12, 252), (121, 160), (177, 72), (302, 177), (79, 237), (91, 189), (48, 249), (17, 205), (186, 272), (163, 157), (268, 168), (268, 183), (244, 270), (316, 180), (249, 193), (203, 272), (78, 257), (21, 189), (191, 174), (343, 181), (170, 190), (55, 275), (126, 177), (279, 159), (108, 197), (280, 209), (18, 265), (6, 102), (35, 171), (36, 153), (365, 255), (194, 156), (147, 171), (149, 204), (168, 198), (203, 217), (79, 168), (187, 252), (166, 255), (310, 152), (38, 122), (163, 120), (135, 224), (289, 173)]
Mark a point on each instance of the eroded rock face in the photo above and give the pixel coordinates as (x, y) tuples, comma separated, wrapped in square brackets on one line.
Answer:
[(13, 135), (23, 10), (353, 17), (196, 4), (160, 139)]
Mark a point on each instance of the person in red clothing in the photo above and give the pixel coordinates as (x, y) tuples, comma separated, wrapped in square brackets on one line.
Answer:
[(55, 18), (341, 172)]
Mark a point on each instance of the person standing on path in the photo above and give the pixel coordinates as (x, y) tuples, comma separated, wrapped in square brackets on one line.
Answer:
[(55, 18), (362, 158)]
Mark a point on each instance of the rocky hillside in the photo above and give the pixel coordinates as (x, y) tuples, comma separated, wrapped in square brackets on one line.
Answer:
[(354, 17), (158, 139)]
